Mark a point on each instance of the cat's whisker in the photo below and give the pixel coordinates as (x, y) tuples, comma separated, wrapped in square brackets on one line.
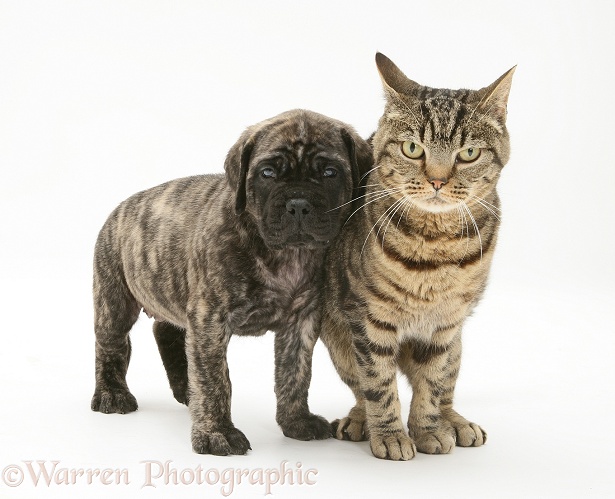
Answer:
[(460, 219), (387, 192), (497, 208), (404, 213), (400, 202), (387, 212), (480, 241), (358, 197), (464, 223), (487, 207), (377, 221), (369, 171)]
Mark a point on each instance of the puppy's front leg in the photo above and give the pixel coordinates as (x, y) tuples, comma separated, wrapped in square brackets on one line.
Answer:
[(293, 373), (209, 385)]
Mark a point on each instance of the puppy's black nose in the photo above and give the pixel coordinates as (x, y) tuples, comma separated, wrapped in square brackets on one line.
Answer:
[(298, 207)]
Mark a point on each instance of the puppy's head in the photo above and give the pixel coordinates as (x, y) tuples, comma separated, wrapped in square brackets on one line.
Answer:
[(296, 175)]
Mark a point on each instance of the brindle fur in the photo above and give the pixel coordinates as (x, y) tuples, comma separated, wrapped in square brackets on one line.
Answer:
[(214, 255), (413, 262)]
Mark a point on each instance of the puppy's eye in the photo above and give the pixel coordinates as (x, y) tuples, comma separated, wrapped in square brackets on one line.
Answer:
[(329, 172), (469, 155), (412, 150), (268, 172)]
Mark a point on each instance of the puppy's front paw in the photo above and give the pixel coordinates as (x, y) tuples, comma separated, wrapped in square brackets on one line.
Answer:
[(113, 401), (309, 427), (220, 443)]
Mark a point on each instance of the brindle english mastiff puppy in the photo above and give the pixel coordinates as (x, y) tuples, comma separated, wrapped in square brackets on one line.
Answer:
[(215, 255)]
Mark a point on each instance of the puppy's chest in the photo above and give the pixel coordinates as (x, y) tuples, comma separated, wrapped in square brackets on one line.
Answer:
[(285, 278), (282, 295)]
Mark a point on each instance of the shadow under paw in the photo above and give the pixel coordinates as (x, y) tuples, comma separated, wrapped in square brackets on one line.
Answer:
[(113, 402)]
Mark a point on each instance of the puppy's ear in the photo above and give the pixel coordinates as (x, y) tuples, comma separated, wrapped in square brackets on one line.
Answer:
[(361, 159), (236, 167)]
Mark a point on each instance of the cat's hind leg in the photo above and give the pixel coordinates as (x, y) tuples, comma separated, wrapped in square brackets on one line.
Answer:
[(354, 426)]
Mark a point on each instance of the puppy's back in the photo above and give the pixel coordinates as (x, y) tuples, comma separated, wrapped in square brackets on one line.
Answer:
[(146, 239)]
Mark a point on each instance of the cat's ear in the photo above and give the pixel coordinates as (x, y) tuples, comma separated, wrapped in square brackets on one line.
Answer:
[(394, 81), (495, 97)]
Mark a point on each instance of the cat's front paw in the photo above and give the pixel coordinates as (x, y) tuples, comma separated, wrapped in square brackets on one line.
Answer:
[(468, 434), (437, 442), (395, 446), (436, 438)]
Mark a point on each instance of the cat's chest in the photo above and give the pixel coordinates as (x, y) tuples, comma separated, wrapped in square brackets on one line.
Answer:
[(423, 300)]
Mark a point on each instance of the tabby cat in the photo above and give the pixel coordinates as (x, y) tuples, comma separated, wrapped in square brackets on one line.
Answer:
[(412, 263)]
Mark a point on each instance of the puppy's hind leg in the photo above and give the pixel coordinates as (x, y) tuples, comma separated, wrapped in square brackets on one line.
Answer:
[(115, 312), (171, 341)]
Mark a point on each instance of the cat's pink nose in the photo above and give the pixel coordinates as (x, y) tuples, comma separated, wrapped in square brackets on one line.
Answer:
[(437, 183)]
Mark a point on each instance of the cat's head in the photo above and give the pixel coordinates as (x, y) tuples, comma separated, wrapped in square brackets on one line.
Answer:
[(440, 147)]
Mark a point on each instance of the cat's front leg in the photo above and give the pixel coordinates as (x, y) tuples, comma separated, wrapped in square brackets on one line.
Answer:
[(376, 349), (432, 370)]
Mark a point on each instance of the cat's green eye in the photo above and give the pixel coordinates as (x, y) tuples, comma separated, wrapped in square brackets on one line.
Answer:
[(412, 150), (470, 154)]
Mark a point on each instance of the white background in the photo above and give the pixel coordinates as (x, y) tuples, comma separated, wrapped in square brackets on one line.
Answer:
[(101, 99)]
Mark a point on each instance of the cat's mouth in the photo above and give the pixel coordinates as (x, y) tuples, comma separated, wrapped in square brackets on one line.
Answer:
[(435, 203), (436, 198)]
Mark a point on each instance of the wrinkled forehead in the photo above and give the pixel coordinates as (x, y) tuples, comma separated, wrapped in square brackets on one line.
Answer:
[(301, 138)]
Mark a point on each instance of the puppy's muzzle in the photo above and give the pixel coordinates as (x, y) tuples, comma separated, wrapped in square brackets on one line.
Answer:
[(299, 208)]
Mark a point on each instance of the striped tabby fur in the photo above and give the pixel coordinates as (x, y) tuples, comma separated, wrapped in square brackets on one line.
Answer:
[(413, 262)]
